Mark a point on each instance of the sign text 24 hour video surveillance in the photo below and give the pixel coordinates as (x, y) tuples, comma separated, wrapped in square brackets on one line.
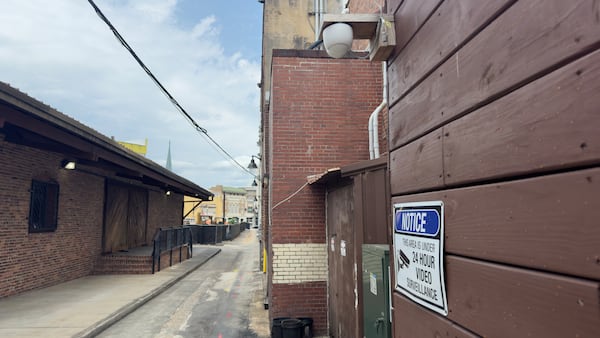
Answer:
[(418, 253)]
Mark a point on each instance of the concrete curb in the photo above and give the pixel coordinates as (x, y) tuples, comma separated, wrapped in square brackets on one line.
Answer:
[(105, 323)]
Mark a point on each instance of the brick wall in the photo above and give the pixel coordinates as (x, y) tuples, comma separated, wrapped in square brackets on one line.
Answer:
[(33, 260), (301, 300), (163, 211), (170, 258), (318, 120)]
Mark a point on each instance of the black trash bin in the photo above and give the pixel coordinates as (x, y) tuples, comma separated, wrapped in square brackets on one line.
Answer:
[(276, 330), (307, 328), (292, 328)]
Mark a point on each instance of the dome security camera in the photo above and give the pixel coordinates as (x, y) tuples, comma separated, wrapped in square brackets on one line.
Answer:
[(337, 39)]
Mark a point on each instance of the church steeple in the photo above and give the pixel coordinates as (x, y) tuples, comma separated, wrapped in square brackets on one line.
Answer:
[(169, 164)]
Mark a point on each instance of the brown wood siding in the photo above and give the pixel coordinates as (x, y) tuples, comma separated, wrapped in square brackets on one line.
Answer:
[(545, 223), (126, 217), (464, 16), (404, 323), (357, 213), (408, 18), (138, 217), (418, 165), (547, 125), (511, 136), (530, 39), (494, 111), (115, 227), (501, 301), (375, 207), (341, 228)]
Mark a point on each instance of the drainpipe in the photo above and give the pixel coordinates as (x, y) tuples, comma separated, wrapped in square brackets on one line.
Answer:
[(374, 118), (321, 11), (316, 10)]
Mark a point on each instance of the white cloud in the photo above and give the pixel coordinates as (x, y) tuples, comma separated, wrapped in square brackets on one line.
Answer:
[(61, 53)]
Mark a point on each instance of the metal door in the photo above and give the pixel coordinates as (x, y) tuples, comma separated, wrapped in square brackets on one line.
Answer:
[(376, 291)]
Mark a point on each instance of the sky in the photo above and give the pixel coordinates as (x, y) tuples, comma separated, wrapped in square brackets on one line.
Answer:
[(206, 53)]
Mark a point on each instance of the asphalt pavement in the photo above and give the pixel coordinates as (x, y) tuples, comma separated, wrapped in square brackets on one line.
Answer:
[(86, 306)]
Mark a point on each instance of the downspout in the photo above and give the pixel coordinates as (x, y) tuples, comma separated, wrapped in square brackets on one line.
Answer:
[(374, 118), (316, 10)]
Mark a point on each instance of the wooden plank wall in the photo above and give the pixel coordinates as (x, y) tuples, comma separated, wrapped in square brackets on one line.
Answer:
[(494, 109), (341, 228), (357, 213), (115, 233)]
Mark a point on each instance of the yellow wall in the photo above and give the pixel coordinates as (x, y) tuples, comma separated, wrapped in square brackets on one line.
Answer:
[(136, 148), (190, 202), (288, 25)]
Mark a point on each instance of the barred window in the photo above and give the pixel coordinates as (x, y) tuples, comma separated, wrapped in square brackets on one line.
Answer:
[(43, 206)]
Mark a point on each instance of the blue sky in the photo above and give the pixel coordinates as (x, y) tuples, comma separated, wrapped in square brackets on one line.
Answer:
[(206, 53), (239, 21)]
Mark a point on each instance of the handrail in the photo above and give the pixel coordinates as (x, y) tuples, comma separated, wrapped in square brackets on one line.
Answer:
[(168, 239)]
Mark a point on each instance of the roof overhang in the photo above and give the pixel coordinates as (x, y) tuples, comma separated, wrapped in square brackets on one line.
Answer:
[(334, 175), (27, 121)]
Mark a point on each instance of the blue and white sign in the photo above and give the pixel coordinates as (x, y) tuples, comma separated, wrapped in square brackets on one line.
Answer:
[(419, 253)]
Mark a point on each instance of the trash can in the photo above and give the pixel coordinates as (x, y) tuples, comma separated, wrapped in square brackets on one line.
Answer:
[(276, 330), (292, 328), (307, 329)]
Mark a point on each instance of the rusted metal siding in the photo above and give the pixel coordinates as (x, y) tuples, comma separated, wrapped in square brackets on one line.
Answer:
[(493, 110)]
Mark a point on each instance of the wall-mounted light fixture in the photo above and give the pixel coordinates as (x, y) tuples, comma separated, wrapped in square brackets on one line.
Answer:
[(252, 167), (168, 193), (68, 164), (339, 30)]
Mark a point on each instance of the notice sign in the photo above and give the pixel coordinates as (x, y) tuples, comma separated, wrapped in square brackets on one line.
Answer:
[(418, 253)]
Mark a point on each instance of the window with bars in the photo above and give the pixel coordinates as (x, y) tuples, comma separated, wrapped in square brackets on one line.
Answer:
[(43, 206)]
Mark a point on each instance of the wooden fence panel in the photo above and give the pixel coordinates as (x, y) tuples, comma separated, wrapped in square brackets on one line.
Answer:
[(530, 39), (547, 223)]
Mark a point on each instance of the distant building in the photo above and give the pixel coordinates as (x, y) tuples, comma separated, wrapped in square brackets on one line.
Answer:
[(230, 204), (136, 148), (252, 206), (233, 200)]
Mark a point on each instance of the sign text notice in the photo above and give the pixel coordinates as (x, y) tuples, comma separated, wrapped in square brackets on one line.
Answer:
[(418, 253)]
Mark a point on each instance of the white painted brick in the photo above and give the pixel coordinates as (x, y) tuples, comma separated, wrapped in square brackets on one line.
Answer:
[(298, 263)]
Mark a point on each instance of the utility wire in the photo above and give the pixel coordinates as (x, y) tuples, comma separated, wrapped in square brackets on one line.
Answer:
[(187, 116)]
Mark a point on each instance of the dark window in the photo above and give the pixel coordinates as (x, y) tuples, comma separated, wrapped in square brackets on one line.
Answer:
[(43, 207)]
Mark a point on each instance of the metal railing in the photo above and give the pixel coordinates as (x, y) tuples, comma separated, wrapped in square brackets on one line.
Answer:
[(169, 239)]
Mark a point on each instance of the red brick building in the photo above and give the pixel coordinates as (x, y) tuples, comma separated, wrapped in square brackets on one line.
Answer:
[(318, 116), (55, 223)]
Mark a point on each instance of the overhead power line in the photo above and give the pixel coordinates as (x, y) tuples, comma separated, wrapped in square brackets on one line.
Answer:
[(164, 90)]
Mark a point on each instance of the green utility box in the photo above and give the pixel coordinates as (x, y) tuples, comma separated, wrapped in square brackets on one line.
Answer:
[(376, 290)]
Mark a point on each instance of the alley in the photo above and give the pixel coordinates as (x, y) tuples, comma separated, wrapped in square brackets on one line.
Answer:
[(222, 298)]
